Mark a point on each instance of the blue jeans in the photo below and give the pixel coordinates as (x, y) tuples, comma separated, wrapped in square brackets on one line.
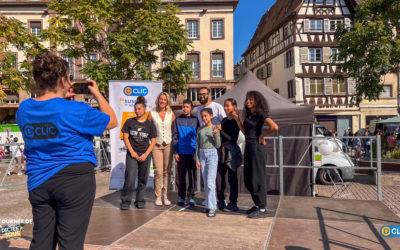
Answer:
[(209, 166)]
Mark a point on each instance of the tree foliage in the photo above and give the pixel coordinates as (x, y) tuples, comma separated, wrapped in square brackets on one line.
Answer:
[(15, 36), (371, 48), (126, 35)]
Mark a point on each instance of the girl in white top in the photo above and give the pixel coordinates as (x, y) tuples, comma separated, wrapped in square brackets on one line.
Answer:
[(162, 117)]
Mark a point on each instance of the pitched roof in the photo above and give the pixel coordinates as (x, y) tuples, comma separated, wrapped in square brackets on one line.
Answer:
[(272, 19)]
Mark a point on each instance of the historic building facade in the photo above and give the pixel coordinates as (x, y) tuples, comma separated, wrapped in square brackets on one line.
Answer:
[(209, 25), (291, 52)]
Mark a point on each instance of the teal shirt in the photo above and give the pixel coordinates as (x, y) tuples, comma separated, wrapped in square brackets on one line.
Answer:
[(206, 140)]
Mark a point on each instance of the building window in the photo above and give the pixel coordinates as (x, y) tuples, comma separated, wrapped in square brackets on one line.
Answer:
[(290, 87), (315, 54), (316, 87), (70, 65), (191, 94), (217, 92), (289, 59), (217, 29), (275, 39), (261, 49), (319, 2), (269, 69), (260, 73), (334, 52), (193, 29), (194, 62), (268, 44), (287, 31), (329, 2), (174, 95), (334, 24), (91, 58), (338, 86), (148, 66), (217, 65), (316, 25), (35, 27), (387, 91)]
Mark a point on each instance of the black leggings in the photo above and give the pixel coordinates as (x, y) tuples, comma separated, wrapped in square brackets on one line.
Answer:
[(61, 208), (254, 172)]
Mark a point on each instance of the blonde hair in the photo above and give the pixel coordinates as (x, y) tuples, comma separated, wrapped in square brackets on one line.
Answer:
[(168, 107)]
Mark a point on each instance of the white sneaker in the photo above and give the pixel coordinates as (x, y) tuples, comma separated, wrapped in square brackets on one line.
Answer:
[(19, 173), (158, 202), (166, 202)]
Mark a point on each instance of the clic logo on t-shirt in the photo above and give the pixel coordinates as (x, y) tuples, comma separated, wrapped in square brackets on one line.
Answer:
[(43, 130)]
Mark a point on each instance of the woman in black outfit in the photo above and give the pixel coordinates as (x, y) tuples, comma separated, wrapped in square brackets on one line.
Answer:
[(254, 155), (231, 156)]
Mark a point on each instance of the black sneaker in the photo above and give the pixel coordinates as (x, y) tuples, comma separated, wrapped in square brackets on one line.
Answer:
[(181, 202), (232, 207), (211, 213), (124, 206), (221, 205), (140, 205), (258, 214), (254, 208), (192, 202)]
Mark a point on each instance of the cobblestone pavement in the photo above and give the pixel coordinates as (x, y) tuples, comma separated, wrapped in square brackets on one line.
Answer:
[(361, 191)]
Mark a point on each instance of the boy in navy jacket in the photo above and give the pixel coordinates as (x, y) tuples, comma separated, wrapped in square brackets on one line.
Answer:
[(184, 145)]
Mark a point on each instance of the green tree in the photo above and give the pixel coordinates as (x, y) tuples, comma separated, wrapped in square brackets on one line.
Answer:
[(371, 48), (15, 35), (125, 34)]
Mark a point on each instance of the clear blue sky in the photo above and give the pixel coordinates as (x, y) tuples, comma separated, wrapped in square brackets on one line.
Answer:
[(247, 15)]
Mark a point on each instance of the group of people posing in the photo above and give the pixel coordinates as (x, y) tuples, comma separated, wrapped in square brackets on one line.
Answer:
[(207, 142)]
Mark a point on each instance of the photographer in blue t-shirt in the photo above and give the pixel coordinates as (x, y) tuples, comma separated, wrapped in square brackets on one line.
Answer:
[(58, 137)]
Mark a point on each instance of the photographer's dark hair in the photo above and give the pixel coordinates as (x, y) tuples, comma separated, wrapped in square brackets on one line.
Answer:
[(259, 101), (207, 110), (47, 71), (231, 100), (187, 101), (140, 100)]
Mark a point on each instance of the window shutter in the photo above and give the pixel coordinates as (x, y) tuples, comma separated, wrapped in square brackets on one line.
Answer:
[(351, 85), (326, 53), (306, 26), (347, 22), (36, 24), (326, 25), (328, 86), (304, 55), (307, 86)]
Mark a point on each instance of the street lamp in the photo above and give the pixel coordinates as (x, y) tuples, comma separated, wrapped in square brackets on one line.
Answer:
[(168, 78)]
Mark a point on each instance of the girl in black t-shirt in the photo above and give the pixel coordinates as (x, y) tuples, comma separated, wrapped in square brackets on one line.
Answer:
[(256, 110), (137, 132), (231, 156)]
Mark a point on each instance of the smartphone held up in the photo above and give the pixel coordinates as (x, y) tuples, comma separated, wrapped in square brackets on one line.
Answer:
[(82, 87)]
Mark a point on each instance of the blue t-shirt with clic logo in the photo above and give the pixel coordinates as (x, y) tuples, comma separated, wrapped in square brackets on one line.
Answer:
[(57, 133)]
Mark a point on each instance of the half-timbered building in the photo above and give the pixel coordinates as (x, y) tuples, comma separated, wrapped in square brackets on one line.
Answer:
[(291, 52)]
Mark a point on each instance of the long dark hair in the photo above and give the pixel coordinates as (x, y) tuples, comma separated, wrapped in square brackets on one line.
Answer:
[(259, 101)]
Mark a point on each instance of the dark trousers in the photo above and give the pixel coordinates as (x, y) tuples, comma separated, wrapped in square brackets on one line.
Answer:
[(61, 208), (133, 168), (221, 184), (187, 165), (254, 172)]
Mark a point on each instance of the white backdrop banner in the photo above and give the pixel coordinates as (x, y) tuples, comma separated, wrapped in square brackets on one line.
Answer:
[(123, 95)]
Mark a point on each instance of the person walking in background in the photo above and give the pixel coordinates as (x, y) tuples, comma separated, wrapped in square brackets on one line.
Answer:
[(60, 164), (391, 140), (357, 146), (184, 145), (208, 140), (346, 140), (17, 162), (137, 134), (256, 109), (163, 118), (231, 156)]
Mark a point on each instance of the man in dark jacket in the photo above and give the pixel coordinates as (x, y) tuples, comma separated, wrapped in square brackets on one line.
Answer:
[(184, 145)]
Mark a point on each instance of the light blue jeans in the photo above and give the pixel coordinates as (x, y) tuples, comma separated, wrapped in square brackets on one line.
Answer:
[(209, 166)]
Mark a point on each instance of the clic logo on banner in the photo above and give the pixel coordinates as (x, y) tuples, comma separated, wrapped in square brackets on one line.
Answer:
[(136, 91)]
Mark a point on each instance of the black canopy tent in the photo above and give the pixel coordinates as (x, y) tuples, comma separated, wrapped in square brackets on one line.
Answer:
[(293, 120)]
